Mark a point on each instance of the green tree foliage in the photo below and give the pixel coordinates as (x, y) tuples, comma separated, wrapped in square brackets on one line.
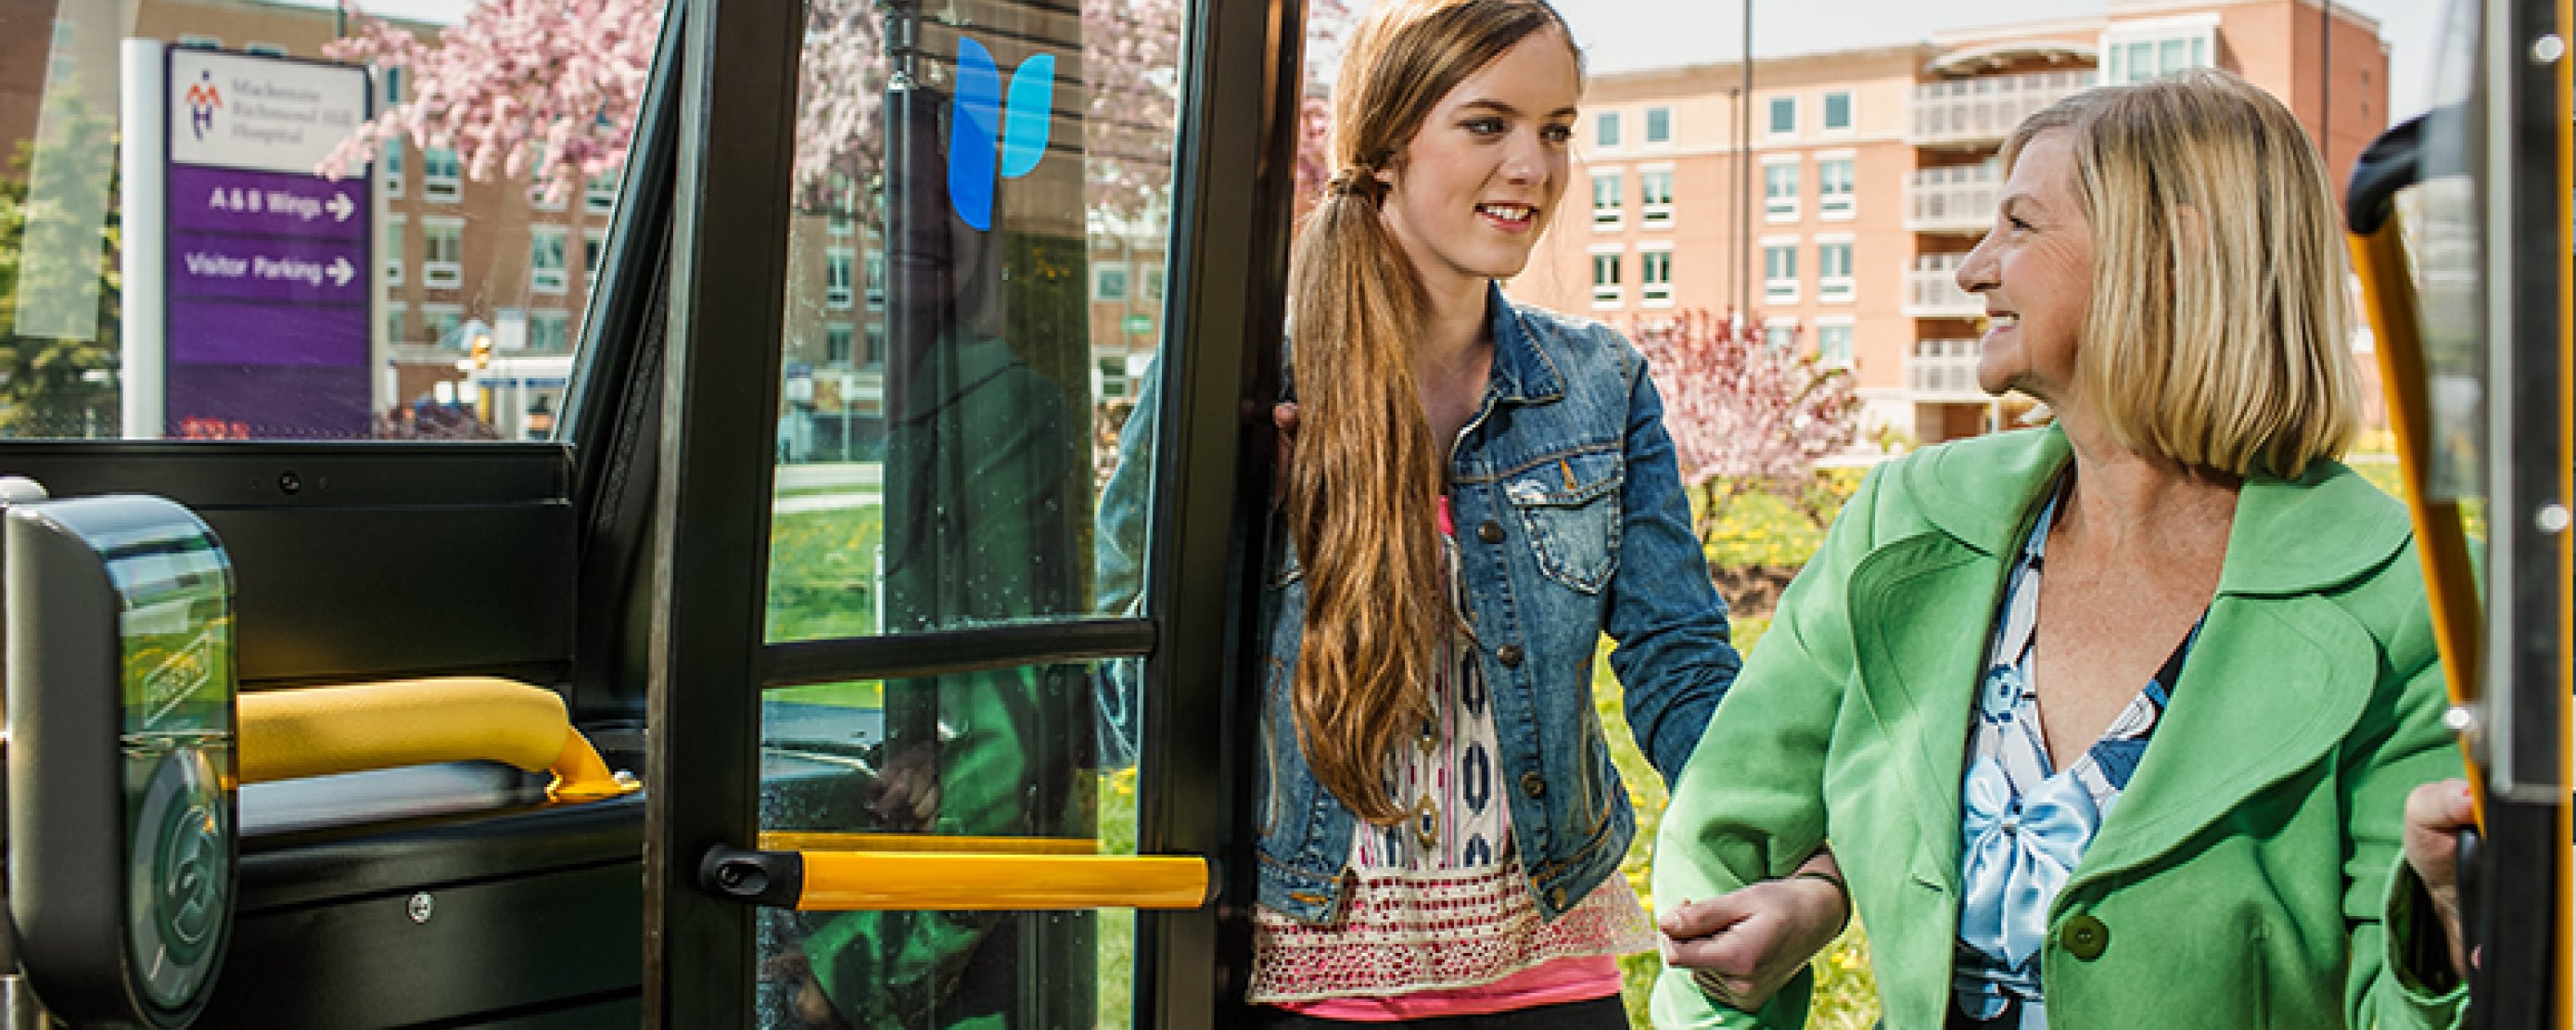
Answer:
[(52, 387)]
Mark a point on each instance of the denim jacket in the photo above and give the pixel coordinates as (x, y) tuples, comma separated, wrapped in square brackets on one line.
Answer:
[(1571, 523)]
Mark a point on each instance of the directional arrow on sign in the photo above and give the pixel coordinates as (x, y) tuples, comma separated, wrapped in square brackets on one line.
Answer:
[(340, 271), (340, 207)]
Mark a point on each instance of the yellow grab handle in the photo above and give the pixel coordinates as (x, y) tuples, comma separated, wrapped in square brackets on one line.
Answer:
[(318, 731), (2450, 586), (848, 881), (855, 881)]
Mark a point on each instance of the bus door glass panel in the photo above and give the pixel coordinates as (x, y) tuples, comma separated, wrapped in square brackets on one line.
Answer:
[(974, 303), (308, 284)]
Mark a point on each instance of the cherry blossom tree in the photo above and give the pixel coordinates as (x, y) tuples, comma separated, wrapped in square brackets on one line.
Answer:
[(546, 89), (549, 89), (1743, 414)]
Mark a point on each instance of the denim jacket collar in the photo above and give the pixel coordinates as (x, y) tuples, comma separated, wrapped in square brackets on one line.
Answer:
[(1523, 371)]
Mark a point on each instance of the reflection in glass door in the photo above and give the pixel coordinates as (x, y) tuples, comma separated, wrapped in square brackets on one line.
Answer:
[(948, 475)]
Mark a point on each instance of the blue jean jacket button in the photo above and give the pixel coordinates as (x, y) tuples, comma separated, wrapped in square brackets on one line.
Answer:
[(1490, 531), (1509, 655)]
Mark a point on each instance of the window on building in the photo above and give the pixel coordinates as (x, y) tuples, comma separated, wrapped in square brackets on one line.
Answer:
[(594, 249), (546, 270), (1605, 280), (1784, 115), (1659, 125), (1780, 192), (836, 343), (1152, 284), (392, 78), (442, 254), (875, 336), (193, 41), (1834, 345), (550, 332), (396, 323), (1838, 111), (1605, 129), (2138, 55), (1780, 274), (1780, 333), (599, 195), (1113, 377), (443, 321), (1109, 282), (1655, 196), (393, 159), (1834, 189), (875, 269), (1655, 278), (393, 255), (1834, 273), (441, 178), (263, 50), (836, 277), (1607, 204)]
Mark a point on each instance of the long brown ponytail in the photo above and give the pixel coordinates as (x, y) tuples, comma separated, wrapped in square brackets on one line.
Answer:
[(1363, 490)]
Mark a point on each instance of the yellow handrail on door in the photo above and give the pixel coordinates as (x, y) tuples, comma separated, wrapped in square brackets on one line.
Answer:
[(850, 880), (2379, 258), (318, 731)]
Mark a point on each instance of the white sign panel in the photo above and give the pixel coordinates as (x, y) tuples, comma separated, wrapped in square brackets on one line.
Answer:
[(254, 113)]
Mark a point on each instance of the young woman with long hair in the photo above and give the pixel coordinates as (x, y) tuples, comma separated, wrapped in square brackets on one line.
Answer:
[(1478, 492)]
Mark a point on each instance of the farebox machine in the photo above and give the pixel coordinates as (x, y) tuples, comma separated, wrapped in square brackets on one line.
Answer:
[(120, 769)]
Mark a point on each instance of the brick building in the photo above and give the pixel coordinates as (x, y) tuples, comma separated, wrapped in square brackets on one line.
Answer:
[(1870, 173)]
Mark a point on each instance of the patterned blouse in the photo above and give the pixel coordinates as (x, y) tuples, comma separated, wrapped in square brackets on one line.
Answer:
[(2024, 824), (1439, 908)]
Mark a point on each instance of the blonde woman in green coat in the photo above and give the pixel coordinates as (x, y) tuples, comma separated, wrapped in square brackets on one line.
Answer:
[(2167, 788)]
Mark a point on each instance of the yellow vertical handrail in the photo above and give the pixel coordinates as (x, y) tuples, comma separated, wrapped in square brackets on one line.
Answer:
[(2565, 195), (2450, 581)]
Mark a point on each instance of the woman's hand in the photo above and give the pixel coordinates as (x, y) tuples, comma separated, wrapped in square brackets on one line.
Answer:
[(1742, 946), (2435, 814), (1283, 416)]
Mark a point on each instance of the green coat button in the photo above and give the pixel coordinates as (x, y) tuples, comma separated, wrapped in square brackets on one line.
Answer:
[(2084, 937)]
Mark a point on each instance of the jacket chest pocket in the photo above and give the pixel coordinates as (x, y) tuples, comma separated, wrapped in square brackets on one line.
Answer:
[(1569, 506)]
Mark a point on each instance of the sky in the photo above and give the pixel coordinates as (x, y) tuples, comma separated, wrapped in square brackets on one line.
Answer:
[(1627, 34), (1623, 34)]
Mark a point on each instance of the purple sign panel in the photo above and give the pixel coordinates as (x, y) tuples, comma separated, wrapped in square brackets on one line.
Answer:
[(225, 200), (267, 402), (269, 276)]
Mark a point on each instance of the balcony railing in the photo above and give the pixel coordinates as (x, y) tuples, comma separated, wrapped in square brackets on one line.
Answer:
[(1958, 199), (1932, 289), (1984, 109), (1944, 370)]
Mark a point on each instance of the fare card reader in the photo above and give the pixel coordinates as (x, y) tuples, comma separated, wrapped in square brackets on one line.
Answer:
[(121, 771)]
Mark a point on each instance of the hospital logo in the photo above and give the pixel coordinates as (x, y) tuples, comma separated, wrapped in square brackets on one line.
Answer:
[(991, 138), (202, 100)]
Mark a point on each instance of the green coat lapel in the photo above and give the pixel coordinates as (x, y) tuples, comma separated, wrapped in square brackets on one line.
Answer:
[(2280, 674), (1923, 606), (1920, 635)]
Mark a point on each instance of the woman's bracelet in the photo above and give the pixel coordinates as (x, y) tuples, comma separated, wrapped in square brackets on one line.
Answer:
[(1839, 888)]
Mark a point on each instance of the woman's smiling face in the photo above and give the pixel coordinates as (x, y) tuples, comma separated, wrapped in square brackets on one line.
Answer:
[(1470, 193), (2035, 269)]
